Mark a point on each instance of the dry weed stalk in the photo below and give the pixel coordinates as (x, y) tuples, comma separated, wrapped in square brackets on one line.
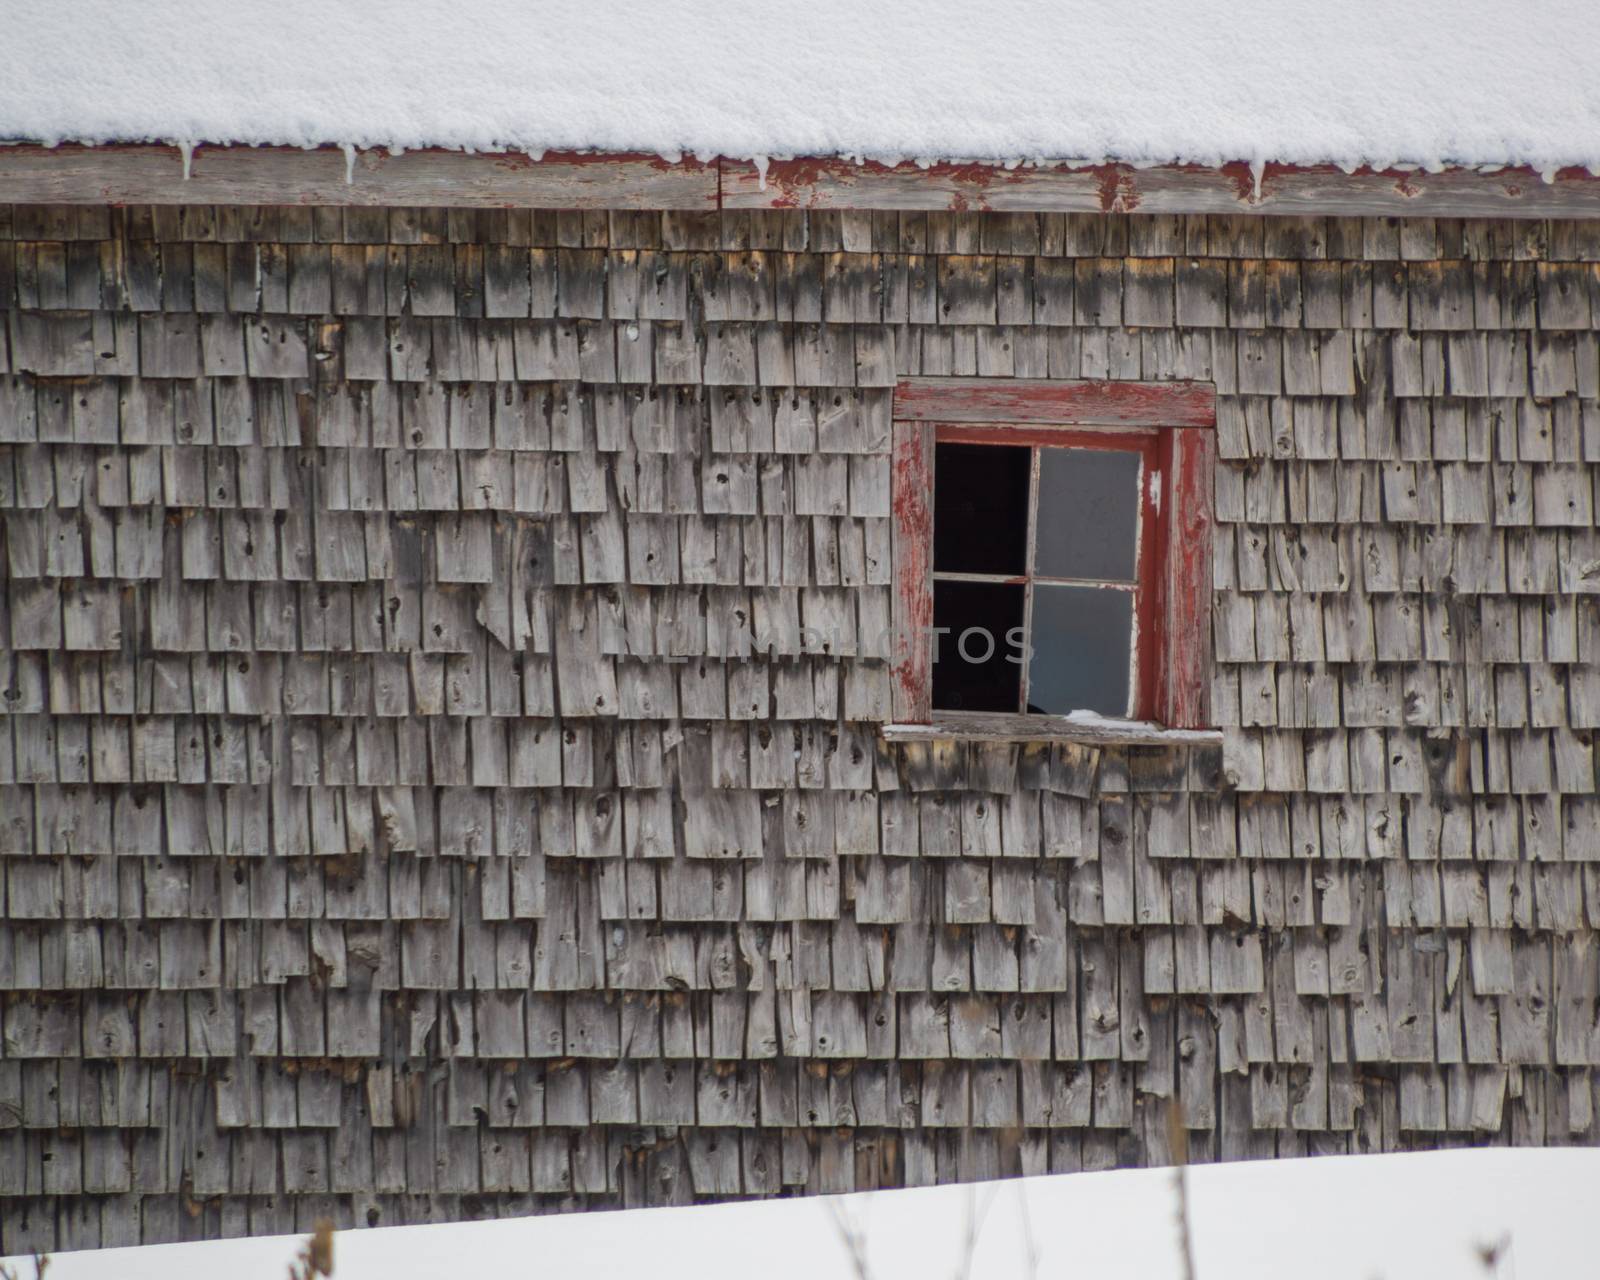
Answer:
[(1178, 1141), (1497, 1255), (316, 1258), (1030, 1242), (41, 1264), (975, 1218), (855, 1241)]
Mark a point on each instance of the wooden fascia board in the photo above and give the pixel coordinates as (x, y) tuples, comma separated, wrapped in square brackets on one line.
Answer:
[(1299, 190), (155, 174), (287, 175)]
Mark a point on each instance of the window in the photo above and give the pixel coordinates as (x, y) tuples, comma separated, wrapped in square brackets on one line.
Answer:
[(1052, 549), (1044, 559)]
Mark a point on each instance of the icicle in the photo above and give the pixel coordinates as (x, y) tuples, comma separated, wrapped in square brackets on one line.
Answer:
[(1257, 168), (761, 163), (186, 152), (349, 163)]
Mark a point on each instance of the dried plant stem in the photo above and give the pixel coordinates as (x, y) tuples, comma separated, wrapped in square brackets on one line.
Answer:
[(316, 1258), (1030, 1242), (1178, 1141), (975, 1219), (855, 1241)]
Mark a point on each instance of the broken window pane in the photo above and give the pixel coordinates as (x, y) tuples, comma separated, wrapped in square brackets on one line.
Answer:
[(1088, 514), (971, 671), (980, 509), (1082, 639)]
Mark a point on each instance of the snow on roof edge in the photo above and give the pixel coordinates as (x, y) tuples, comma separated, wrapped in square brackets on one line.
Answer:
[(1371, 83), (1547, 170)]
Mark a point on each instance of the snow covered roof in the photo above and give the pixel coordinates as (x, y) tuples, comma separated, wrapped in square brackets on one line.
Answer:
[(1376, 82)]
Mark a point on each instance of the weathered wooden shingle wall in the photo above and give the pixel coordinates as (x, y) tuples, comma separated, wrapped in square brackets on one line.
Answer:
[(396, 825)]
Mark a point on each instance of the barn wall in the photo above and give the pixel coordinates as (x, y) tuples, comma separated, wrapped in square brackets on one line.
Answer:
[(416, 803)]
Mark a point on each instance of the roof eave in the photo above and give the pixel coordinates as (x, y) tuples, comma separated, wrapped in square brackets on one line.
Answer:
[(219, 175)]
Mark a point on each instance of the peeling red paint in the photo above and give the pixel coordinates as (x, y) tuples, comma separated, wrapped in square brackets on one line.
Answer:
[(976, 177), (1106, 180), (911, 504), (1183, 686), (1118, 192), (1152, 639), (814, 182), (791, 176), (795, 182), (1244, 183)]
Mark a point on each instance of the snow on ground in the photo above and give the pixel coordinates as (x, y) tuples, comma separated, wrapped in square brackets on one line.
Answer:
[(1144, 81), (1343, 1218)]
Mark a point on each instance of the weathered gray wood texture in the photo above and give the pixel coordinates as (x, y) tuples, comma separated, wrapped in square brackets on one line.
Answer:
[(332, 176), (237, 175), (417, 799)]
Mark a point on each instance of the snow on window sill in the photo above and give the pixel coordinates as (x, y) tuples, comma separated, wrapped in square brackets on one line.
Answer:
[(1081, 726)]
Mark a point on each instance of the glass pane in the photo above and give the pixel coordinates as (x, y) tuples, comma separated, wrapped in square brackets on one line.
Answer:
[(1088, 514), (980, 508), (971, 670), (1082, 641)]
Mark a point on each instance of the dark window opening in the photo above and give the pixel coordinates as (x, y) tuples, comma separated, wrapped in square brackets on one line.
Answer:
[(1036, 572), (980, 509), (977, 645)]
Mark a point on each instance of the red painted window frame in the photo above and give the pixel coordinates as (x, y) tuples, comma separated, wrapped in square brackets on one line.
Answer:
[(1171, 423)]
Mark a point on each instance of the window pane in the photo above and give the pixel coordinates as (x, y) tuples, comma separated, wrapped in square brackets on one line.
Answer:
[(1088, 514), (980, 508), (1082, 641), (970, 671)]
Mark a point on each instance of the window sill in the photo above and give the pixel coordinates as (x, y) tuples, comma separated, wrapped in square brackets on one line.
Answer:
[(1091, 730)]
